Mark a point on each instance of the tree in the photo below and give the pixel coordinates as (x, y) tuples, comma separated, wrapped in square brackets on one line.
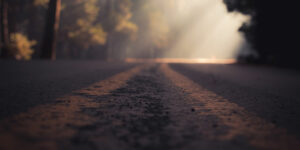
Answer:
[(36, 11), (80, 29), (272, 29), (154, 26), (116, 20), (51, 29), (4, 28)]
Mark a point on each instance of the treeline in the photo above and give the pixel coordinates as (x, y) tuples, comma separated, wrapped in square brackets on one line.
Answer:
[(90, 29), (273, 30)]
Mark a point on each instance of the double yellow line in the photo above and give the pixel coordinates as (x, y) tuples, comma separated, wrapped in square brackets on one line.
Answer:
[(50, 123), (259, 132)]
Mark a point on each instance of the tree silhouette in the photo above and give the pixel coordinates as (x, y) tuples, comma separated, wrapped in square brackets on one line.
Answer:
[(52, 24), (4, 28), (273, 29)]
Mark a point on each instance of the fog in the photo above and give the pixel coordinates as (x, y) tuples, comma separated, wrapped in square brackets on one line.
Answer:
[(121, 29), (200, 29)]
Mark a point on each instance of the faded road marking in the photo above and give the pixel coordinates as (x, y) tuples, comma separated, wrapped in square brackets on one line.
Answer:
[(259, 132), (43, 126)]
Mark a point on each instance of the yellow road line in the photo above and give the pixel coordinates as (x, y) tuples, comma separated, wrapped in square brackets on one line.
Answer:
[(258, 131), (49, 123)]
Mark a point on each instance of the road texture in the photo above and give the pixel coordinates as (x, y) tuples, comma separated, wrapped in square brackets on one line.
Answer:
[(152, 106)]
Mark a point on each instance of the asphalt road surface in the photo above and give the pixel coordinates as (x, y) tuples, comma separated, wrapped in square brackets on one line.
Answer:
[(147, 106)]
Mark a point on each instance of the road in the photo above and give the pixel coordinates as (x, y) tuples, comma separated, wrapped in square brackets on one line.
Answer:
[(117, 105)]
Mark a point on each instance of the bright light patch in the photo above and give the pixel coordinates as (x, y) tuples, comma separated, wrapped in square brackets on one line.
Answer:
[(213, 33), (181, 60)]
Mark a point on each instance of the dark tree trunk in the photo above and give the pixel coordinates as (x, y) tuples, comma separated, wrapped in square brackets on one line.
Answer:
[(110, 8), (4, 29), (34, 29), (52, 24)]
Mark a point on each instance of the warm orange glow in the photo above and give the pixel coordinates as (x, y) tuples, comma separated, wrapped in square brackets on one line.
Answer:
[(182, 60)]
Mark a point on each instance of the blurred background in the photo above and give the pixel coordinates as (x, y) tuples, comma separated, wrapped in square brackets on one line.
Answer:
[(250, 31)]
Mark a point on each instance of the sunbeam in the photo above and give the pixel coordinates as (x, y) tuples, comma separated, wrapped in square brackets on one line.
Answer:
[(213, 33)]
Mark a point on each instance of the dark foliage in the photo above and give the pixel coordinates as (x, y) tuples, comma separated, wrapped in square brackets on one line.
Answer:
[(273, 30)]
